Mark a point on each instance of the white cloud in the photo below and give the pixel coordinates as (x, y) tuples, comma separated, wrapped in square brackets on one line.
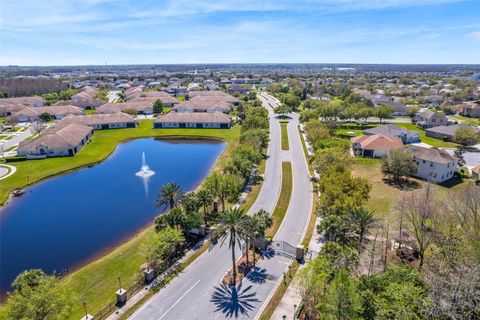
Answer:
[(475, 35)]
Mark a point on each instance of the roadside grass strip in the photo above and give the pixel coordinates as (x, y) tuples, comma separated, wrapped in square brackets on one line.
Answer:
[(283, 200), (285, 143)]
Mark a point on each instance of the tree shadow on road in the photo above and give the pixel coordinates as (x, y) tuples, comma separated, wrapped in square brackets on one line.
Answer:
[(257, 275), (232, 301)]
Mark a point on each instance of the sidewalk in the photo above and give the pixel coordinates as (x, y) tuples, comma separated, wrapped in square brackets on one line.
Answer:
[(292, 295)]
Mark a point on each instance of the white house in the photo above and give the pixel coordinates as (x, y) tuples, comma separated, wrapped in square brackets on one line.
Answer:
[(433, 164)]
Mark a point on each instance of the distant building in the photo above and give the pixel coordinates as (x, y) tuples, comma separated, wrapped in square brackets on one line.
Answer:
[(407, 136), (34, 113), (433, 164), (103, 121), (217, 120), (141, 107), (446, 132), (86, 104), (429, 119)]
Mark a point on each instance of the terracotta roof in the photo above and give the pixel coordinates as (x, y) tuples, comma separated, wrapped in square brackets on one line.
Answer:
[(431, 154), (82, 103), (193, 117), (98, 119), (58, 137), (27, 101), (53, 110), (122, 106), (378, 141), (476, 169)]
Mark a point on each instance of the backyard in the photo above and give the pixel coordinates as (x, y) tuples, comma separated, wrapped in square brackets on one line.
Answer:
[(383, 195)]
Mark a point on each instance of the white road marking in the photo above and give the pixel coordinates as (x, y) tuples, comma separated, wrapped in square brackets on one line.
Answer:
[(183, 296)]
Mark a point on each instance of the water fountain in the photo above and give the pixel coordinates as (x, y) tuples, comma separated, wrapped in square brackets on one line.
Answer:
[(145, 171)]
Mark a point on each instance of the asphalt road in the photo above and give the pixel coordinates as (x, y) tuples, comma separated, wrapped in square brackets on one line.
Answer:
[(198, 293)]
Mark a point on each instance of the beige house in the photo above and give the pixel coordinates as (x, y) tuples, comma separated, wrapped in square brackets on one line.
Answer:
[(58, 141), (375, 146), (103, 121), (141, 107), (429, 119), (34, 113), (216, 120)]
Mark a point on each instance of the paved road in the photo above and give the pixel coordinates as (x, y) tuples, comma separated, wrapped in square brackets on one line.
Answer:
[(17, 139), (198, 293)]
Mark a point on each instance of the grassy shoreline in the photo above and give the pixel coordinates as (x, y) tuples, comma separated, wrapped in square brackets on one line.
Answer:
[(102, 145), (95, 281)]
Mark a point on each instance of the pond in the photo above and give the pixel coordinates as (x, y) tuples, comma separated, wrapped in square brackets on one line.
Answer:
[(67, 220)]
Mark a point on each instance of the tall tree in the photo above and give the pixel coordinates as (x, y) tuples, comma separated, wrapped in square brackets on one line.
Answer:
[(38, 296), (399, 164), (205, 200), (383, 111), (362, 221), (233, 225), (170, 196), (341, 301)]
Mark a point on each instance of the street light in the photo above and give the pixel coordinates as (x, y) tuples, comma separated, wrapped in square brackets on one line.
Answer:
[(85, 308)]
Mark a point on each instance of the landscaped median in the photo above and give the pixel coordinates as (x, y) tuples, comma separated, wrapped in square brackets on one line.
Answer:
[(103, 143), (283, 200), (284, 131)]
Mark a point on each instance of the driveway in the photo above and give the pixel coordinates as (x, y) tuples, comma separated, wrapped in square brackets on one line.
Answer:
[(198, 292)]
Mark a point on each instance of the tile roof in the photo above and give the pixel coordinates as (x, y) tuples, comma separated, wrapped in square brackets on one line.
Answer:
[(378, 141), (431, 154), (193, 117), (98, 119), (58, 137), (391, 130)]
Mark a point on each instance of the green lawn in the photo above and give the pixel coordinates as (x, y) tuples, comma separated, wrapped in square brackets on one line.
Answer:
[(283, 200), (428, 140), (103, 143), (90, 112), (383, 195), (2, 136), (348, 133), (96, 282), (467, 120), (284, 129)]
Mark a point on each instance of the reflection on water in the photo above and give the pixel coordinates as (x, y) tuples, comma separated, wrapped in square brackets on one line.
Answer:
[(64, 221)]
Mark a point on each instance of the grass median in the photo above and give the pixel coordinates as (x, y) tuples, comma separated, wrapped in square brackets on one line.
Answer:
[(284, 129), (103, 143), (283, 200)]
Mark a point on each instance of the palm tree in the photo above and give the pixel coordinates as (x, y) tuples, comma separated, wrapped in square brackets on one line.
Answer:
[(234, 225), (170, 195), (261, 221), (205, 199), (362, 220)]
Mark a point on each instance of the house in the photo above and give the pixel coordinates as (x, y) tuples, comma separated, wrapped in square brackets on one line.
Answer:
[(167, 100), (141, 107), (103, 121), (86, 92), (193, 120), (213, 95), (86, 104), (429, 119), (236, 88), (446, 132), (472, 109), (203, 105), (476, 172), (433, 164), (25, 101), (33, 113), (375, 146), (407, 136), (399, 109), (59, 141)]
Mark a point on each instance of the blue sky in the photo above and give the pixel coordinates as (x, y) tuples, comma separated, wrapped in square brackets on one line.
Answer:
[(71, 32)]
